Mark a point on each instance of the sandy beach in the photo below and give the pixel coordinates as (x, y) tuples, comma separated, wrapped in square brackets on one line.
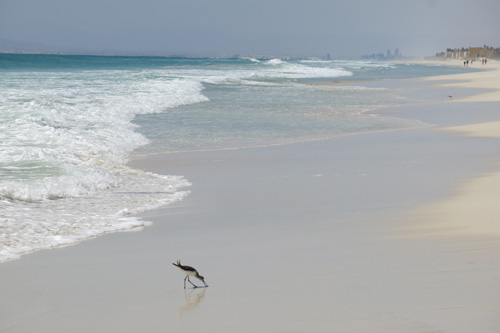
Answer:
[(392, 231), (473, 210)]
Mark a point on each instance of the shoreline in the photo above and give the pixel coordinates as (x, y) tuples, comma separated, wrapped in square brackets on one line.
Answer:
[(445, 224), (333, 234), (472, 210), (487, 80)]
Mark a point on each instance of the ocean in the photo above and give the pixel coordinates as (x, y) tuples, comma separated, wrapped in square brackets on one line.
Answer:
[(70, 124)]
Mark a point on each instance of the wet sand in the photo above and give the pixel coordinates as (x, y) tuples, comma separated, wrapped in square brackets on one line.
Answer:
[(377, 232)]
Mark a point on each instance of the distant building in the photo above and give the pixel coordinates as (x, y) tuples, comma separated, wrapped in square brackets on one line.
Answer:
[(470, 53), (456, 53), (380, 56), (479, 52)]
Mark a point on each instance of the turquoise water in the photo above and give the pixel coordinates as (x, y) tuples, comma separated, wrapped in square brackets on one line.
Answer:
[(70, 124)]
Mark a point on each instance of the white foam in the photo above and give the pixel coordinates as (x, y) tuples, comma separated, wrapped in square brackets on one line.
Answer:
[(252, 59), (275, 62), (264, 73), (65, 138)]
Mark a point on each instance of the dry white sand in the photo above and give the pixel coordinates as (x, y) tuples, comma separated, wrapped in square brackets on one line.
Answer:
[(380, 232), (474, 209), (488, 80)]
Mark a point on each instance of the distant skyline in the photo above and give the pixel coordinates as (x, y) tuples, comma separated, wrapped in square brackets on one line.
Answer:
[(343, 28)]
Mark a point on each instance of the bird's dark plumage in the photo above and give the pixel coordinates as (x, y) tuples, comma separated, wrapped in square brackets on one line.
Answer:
[(189, 271)]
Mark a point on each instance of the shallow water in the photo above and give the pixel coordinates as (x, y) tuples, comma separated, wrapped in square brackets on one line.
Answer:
[(70, 124)]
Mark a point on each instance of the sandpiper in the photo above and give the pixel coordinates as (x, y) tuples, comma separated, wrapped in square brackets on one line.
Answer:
[(190, 271)]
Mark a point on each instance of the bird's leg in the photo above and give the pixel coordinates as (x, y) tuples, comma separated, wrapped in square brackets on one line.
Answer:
[(191, 282), (187, 276)]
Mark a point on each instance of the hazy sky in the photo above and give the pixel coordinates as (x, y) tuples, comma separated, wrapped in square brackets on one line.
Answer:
[(281, 27)]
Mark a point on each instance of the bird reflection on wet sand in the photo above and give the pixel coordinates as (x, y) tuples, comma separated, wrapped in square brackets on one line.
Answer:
[(193, 298)]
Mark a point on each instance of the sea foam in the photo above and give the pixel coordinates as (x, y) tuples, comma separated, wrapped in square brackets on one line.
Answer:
[(69, 124), (65, 139)]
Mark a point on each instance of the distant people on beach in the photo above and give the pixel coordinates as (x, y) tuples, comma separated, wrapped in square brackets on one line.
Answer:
[(484, 61)]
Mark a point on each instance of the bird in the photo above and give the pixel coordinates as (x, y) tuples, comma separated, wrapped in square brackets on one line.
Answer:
[(450, 97), (189, 271)]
